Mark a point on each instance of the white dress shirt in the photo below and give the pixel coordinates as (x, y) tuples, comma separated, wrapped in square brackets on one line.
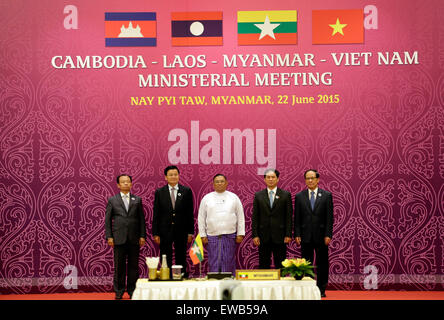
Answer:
[(221, 213), (176, 190), (315, 193), (127, 196), (274, 193)]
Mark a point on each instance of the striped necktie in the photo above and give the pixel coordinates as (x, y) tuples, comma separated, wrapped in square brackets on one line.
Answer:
[(126, 202), (173, 198)]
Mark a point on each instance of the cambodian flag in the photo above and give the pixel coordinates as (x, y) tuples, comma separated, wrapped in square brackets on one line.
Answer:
[(130, 29)]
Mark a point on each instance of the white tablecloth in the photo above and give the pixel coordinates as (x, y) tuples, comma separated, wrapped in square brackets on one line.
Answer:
[(284, 289), (279, 290)]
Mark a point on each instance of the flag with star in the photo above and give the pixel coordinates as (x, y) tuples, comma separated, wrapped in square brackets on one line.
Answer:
[(337, 26), (196, 251), (196, 28), (267, 27)]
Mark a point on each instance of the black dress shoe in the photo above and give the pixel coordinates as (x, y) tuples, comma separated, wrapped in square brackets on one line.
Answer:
[(323, 295), (118, 296)]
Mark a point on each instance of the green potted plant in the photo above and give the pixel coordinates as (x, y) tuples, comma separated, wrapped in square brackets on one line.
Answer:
[(297, 268)]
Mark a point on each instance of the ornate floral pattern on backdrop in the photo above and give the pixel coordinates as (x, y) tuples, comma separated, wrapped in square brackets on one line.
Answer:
[(66, 134)]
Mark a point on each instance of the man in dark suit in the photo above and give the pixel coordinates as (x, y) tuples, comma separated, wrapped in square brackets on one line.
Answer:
[(313, 225), (125, 232), (272, 221), (173, 218)]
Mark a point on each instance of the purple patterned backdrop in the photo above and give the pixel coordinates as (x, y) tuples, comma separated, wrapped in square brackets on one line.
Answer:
[(66, 133)]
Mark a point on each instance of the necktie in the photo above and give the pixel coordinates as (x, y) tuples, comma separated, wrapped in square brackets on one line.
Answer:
[(125, 201), (271, 198), (173, 198), (312, 200)]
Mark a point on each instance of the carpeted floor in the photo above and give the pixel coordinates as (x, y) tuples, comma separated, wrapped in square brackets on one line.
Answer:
[(331, 295)]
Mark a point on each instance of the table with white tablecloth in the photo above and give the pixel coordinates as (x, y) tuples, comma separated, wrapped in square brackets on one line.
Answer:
[(284, 289)]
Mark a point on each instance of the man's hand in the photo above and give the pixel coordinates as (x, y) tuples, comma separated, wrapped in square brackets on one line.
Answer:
[(190, 238), (111, 242), (327, 241), (298, 240), (256, 241), (204, 241), (239, 239), (142, 242), (157, 240), (287, 240)]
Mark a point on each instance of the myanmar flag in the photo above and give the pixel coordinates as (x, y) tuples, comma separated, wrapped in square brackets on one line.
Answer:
[(130, 29), (267, 27), (337, 26), (196, 250), (196, 28)]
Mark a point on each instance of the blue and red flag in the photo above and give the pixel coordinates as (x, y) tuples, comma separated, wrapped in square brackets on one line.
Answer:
[(196, 28), (130, 29)]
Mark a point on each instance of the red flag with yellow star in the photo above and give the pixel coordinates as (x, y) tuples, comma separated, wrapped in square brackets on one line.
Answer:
[(338, 26)]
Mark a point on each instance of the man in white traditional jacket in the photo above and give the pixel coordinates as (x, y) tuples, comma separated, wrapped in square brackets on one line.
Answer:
[(221, 224)]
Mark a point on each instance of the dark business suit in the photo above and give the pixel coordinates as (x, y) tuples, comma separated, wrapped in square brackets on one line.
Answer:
[(126, 228), (272, 225), (173, 225), (313, 226)]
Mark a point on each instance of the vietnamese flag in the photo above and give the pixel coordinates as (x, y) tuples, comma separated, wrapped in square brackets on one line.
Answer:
[(196, 28), (267, 27), (196, 251), (337, 26)]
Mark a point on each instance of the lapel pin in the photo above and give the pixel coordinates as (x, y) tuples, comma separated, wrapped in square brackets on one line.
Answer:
[(179, 194), (277, 197), (134, 199), (319, 194)]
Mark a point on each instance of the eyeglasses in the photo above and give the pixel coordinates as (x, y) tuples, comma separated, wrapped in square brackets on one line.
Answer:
[(310, 178)]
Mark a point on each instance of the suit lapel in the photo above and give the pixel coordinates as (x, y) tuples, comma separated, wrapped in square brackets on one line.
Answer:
[(318, 198), (317, 201), (307, 200), (179, 195), (266, 197), (120, 200), (167, 195), (276, 197), (131, 202)]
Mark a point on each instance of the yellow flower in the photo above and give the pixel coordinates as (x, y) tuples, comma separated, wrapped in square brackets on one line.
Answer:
[(286, 263)]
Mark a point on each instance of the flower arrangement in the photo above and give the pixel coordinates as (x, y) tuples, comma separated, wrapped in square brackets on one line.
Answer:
[(297, 268)]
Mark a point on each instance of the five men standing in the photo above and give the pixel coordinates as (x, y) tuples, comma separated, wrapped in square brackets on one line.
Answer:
[(221, 225)]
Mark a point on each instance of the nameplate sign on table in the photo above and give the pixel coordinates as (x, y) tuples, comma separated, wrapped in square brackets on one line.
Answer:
[(262, 274)]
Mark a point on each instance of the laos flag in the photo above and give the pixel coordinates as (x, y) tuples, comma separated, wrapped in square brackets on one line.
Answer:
[(130, 29)]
